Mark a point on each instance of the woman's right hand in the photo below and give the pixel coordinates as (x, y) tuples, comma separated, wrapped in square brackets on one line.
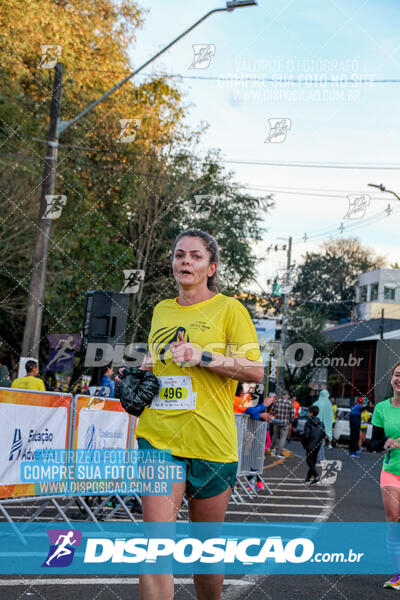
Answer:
[(391, 443)]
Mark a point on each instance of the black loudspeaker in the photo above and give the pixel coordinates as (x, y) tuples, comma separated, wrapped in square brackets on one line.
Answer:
[(105, 318)]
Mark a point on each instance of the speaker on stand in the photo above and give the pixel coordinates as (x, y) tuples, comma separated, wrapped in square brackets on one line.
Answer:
[(104, 329)]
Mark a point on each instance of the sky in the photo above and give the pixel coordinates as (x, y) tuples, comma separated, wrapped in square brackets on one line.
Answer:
[(343, 117)]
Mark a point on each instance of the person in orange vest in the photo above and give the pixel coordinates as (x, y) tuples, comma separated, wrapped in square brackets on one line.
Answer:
[(293, 426), (242, 401)]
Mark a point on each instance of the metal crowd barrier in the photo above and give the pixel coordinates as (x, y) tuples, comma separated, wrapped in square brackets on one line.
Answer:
[(251, 444), (251, 447), (18, 501)]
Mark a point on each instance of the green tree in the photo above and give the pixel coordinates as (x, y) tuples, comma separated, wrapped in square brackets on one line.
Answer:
[(326, 279), (305, 328)]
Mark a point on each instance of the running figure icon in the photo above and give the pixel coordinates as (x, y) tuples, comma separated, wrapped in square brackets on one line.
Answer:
[(60, 555), (62, 549)]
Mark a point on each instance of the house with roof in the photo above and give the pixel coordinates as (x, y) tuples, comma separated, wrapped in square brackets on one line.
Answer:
[(365, 350)]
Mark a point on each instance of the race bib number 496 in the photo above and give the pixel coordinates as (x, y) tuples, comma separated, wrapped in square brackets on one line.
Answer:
[(175, 394)]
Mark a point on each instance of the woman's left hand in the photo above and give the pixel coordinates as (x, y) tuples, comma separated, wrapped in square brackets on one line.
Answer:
[(185, 352)]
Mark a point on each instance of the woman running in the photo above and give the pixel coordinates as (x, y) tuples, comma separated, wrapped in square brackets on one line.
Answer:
[(204, 343), (386, 422)]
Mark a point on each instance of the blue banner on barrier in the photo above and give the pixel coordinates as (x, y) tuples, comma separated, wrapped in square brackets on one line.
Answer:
[(187, 548)]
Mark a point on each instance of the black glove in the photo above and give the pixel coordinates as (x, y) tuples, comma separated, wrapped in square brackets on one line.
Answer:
[(137, 389)]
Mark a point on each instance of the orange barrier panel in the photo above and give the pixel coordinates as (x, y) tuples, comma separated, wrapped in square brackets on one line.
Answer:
[(100, 423), (30, 421)]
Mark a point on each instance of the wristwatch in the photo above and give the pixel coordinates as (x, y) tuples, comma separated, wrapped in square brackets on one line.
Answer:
[(206, 358)]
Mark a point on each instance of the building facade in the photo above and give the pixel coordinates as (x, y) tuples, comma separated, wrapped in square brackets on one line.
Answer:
[(376, 291)]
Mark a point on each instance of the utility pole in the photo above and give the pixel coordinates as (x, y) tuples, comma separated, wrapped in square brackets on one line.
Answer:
[(285, 314), (34, 311), (286, 299)]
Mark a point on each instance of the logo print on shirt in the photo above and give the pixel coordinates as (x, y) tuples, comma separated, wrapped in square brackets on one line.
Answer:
[(162, 338)]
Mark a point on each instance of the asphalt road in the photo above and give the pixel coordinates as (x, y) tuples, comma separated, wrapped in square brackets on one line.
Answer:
[(355, 496)]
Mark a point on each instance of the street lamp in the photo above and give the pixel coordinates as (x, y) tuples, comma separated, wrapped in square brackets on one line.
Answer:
[(34, 311), (382, 188), (238, 3)]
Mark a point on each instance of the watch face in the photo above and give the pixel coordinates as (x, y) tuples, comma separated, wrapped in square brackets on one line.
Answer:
[(206, 357)]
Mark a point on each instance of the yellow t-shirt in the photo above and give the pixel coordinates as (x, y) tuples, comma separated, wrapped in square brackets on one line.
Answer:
[(29, 383), (365, 417), (218, 325)]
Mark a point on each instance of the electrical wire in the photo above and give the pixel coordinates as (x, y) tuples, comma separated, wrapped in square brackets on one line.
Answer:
[(313, 165)]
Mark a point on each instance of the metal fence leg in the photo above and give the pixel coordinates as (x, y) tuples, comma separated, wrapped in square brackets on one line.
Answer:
[(60, 510), (244, 487), (254, 488), (236, 497), (121, 504), (266, 485), (126, 509), (87, 509), (13, 525), (38, 511)]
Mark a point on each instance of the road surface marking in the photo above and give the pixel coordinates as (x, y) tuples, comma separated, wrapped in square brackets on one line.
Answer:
[(102, 581)]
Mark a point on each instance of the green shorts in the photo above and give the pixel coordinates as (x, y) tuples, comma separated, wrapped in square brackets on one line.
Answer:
[(204, 478)]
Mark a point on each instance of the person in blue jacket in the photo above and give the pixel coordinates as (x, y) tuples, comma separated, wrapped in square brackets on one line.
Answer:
[(106, 381), (355, 424), (243, 404)]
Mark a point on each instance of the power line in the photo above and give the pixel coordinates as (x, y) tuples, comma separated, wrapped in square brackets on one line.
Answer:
[(279, 77), (313, 165), (302, 189), (349, 228), (319, 195), (275, 80), (253, 162)]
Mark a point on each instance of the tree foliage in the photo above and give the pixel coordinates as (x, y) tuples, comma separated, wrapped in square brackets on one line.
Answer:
[(305, 327), (326, 279), (125, 201)]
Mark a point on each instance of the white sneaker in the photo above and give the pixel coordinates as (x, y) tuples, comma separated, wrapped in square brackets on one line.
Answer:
[(273, 452)]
